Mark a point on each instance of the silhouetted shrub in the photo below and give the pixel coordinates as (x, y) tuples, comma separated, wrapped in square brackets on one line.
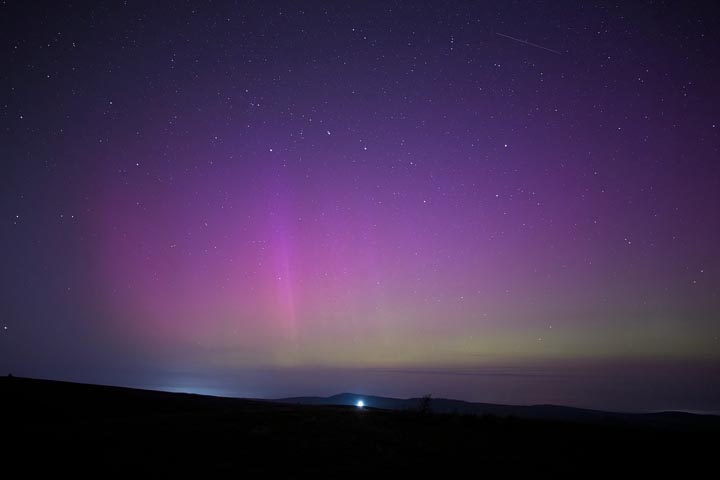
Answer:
[(425, 404)]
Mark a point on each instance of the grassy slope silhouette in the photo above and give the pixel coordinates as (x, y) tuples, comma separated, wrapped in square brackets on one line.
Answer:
[(64, 426)]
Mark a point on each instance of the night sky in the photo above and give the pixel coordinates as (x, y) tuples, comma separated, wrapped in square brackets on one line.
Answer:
[(510, 202)]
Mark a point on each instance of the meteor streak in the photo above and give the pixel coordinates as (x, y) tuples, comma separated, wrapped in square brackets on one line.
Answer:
[(529, 43)]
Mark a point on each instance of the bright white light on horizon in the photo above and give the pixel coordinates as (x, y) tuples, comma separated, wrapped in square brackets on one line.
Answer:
[(360, 404)]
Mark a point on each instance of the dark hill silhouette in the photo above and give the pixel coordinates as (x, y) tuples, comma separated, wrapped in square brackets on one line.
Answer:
[(534, 412), (65, 427)]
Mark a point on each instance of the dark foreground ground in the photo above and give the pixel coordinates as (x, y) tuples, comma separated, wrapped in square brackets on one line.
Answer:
[(60, 427)]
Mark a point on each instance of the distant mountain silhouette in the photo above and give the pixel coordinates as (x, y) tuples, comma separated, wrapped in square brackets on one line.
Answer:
[(534, 412)]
